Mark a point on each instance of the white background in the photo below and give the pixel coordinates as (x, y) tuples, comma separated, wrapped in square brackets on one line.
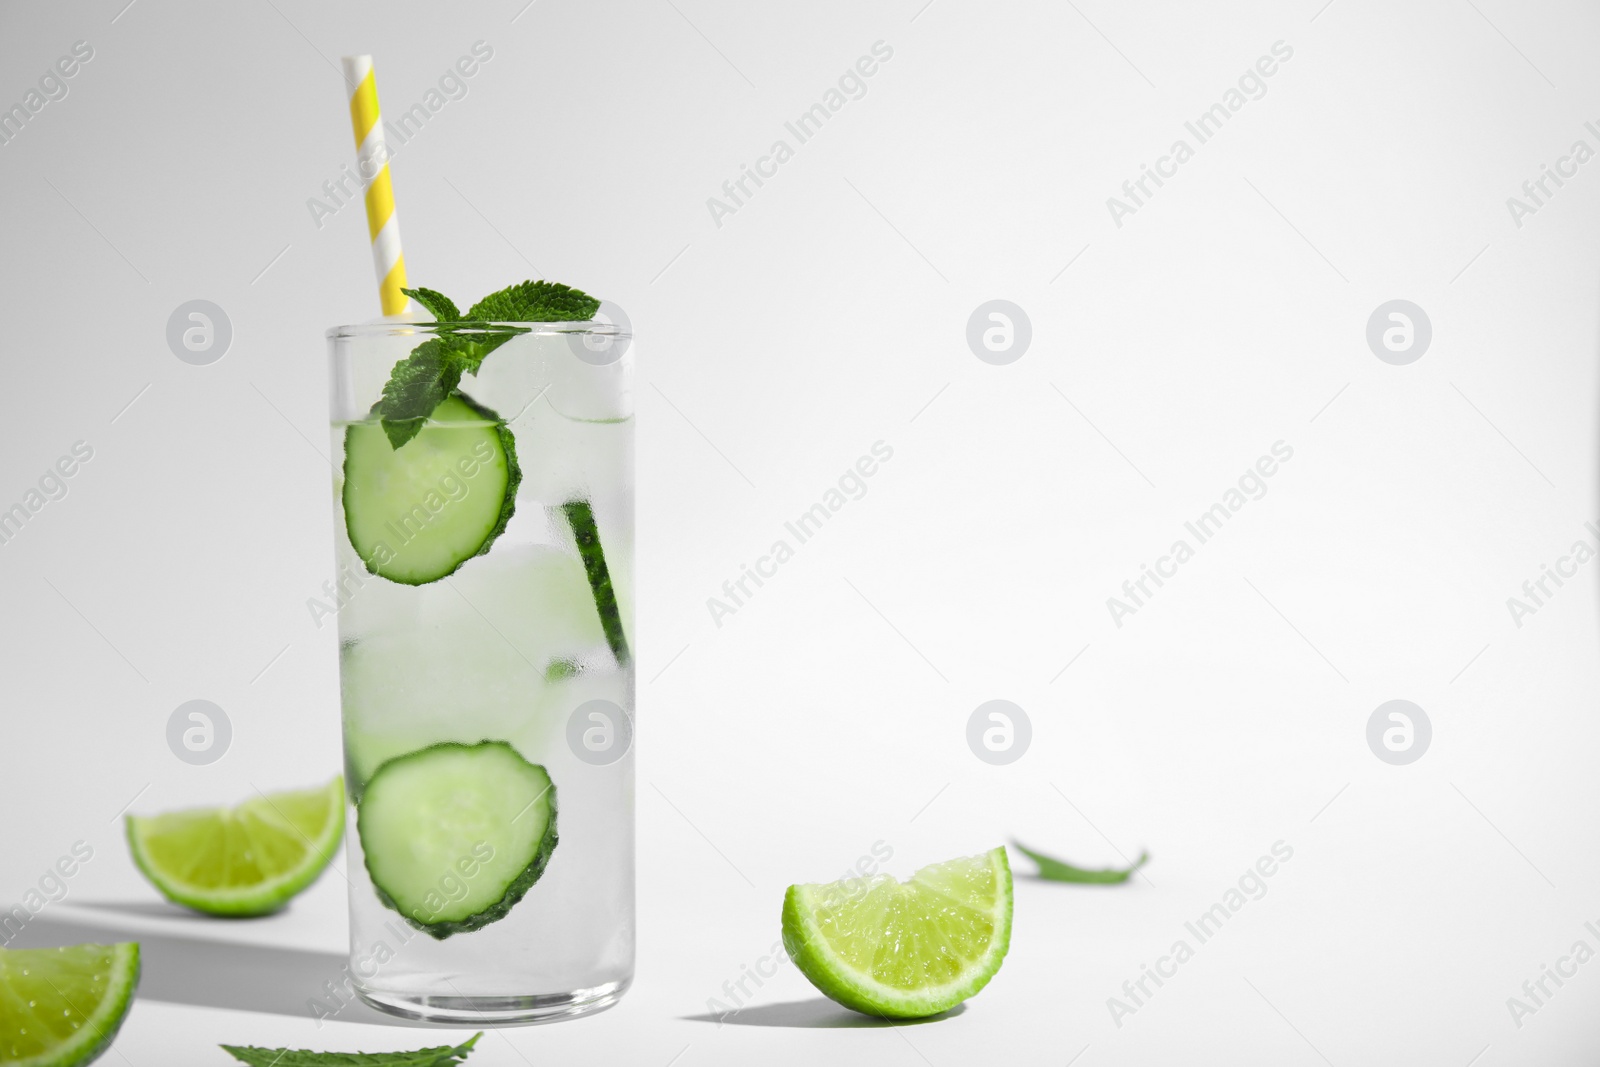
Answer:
[(828, 313)]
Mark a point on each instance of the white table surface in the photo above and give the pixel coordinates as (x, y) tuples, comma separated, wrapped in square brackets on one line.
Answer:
[(829, 312)]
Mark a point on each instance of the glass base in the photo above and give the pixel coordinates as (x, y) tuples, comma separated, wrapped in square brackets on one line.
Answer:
[(494, 1010)]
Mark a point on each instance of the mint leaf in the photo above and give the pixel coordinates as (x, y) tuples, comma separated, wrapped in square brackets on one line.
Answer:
[(430, 373), (438, 305), (434, 368), (1054, 870), (443, 1056), (539, 301)]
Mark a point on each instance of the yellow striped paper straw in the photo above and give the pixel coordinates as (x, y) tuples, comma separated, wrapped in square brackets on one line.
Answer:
[(372, 164)]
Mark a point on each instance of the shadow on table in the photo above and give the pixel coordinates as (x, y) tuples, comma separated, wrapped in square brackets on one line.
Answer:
[(156, 909), (210, 973), (816, 1013)]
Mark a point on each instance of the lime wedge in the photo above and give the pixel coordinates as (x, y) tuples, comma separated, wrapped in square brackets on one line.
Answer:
[(245, 860), (903, 950), (60, 1007)]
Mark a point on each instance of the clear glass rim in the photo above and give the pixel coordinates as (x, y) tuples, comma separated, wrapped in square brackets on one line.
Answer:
[(383, 328)]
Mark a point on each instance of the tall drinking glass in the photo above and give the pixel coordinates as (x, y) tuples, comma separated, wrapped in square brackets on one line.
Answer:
[(485, 591)]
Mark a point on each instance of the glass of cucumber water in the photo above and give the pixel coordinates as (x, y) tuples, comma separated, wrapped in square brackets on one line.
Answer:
[(485, 580)]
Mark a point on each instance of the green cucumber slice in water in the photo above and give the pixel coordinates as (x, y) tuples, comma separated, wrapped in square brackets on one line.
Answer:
[(580, 516), (454, 835), (415, 514)]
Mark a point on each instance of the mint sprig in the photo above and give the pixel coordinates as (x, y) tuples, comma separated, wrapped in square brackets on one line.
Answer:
[(443, 1056), (433, 370), (1054, 870)]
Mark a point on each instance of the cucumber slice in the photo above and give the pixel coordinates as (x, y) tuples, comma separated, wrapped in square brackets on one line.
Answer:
[(580, 516), (415, 514), (454, 835)]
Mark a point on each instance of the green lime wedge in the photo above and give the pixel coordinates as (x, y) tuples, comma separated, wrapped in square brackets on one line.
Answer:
[(903, 950), (249, 859), (60, 1007)]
